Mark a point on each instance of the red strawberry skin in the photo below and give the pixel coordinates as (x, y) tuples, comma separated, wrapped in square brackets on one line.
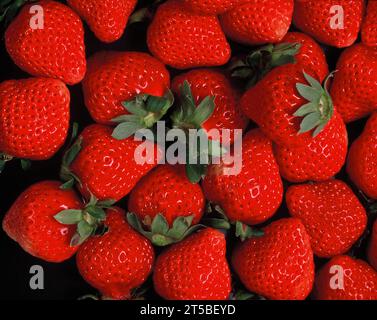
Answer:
[(258, 21), (369, 27), (107, 18), (114, 77), (56, 51), (313, 17), (372, 249), (107, 167), (359, 279), (310, 54), (331, 213), (30, 221), (194, 269), (207, 82), (278, 265), (362, 159), (168, 191), (34, 117), (211, 7), (184, 40), (354, 89), (253, 195), (320, 159), (118, 261)]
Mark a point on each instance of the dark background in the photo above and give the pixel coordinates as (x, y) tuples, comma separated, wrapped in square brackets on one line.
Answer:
[(62, 281)]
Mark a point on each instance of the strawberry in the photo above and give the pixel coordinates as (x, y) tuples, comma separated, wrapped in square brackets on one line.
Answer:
[(320, 159), (107, 18), (56, 50), (211, 7), (117, 77), (117, 261), (323, 20), (106, 167), (361, 162), (254, 194), (354, 90), (345, 278), (372, 249), (278, 265), (34, 118), (331, 213), (258, 21), (213, 83), (183, 39), (168, 191), (194, 269), (30, 221), (369, 27)]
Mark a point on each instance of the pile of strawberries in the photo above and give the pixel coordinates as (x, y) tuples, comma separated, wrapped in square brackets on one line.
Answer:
[(277, 89)]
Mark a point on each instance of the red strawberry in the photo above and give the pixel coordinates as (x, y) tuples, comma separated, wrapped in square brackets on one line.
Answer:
[(106, 167), (194, 269), (55, 51), (354, 90), (332, 215), (319, 160), (206, 82), (372, 249), (253, 195), (278, 265), (322, 19), (115, 77), (211, 7), (168, 191), (362, 159), (258, 21), (106, 18), (345, 278), (30, 221), (34, 117), (117, 261), (185, 40), (369, 27)]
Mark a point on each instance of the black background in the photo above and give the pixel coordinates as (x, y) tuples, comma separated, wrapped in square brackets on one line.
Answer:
[(62, 281)]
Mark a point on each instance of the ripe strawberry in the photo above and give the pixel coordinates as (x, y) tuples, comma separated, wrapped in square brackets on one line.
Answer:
[(107, 18), (254, 194), (30, 221), (56, 50), (166, 190), (185, 40), (332, 215), (194, 269), (106, 167), (258, 21), (34, 118), (278, 265), (369, 27), (117, 261), (354, 89), (362, 159), (116, 77), (211, 7), (323, 20), (206, 82), (319, 160), (345, 278), (372, 249)]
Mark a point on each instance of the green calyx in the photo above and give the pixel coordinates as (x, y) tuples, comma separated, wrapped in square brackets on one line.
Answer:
[(4, 158), (144, 111), (261, 61), (160, 233), (88, 220), (66, 174), (320, 108), (10, 8), (243, 231), (144, 14)]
